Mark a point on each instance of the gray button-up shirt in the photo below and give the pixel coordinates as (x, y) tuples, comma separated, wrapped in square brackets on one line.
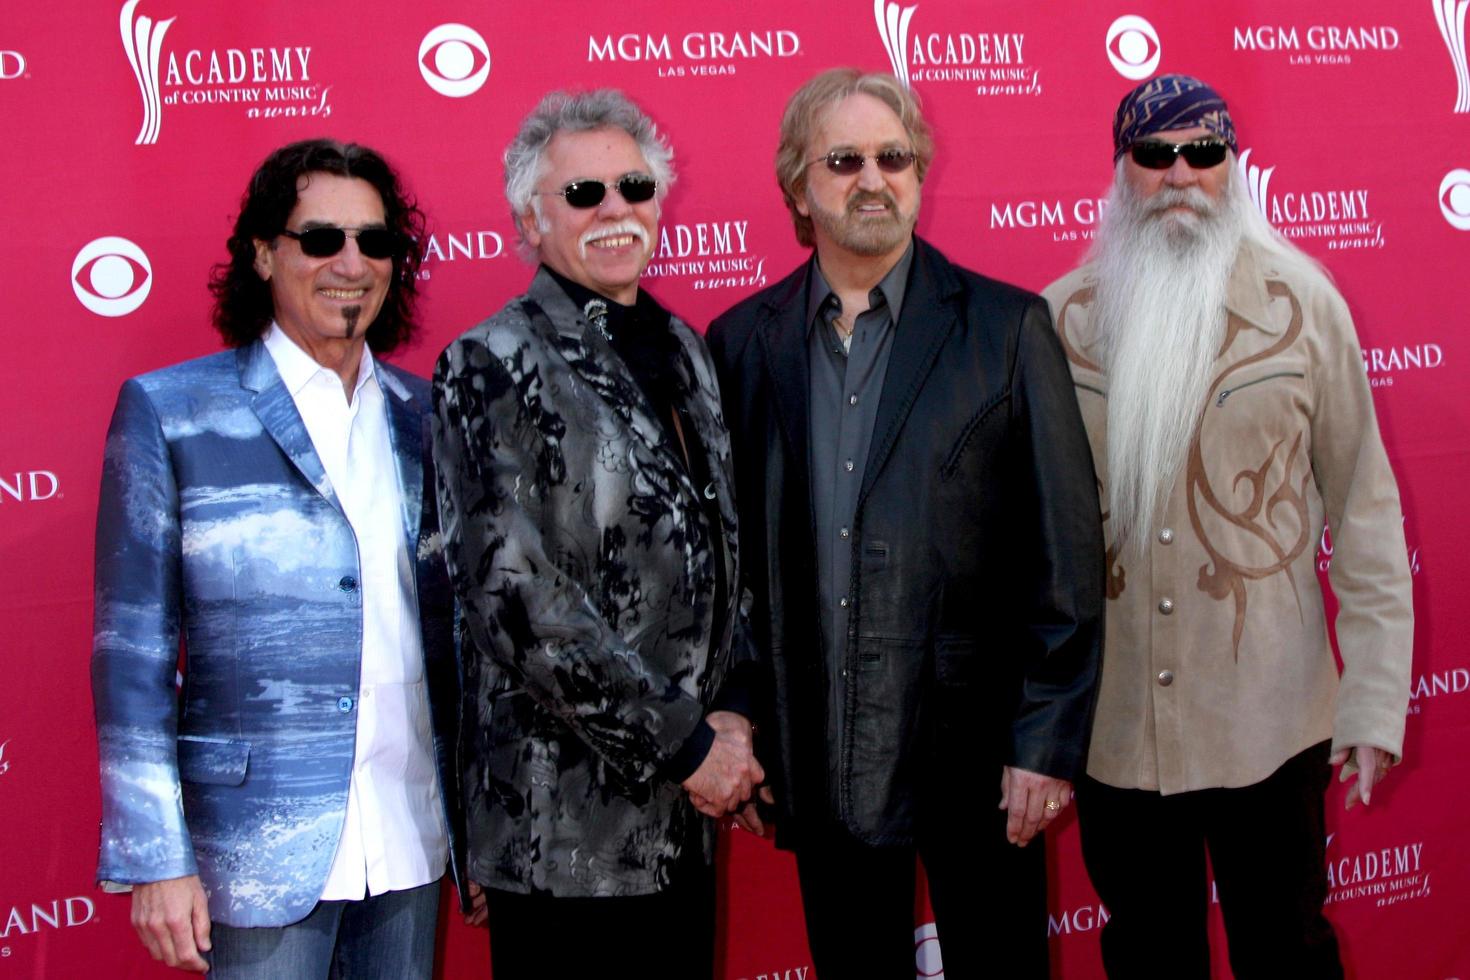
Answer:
[(845, 387)]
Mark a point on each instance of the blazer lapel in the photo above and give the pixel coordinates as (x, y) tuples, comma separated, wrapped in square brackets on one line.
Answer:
[(276, 409), (923, 325), (781, 328), (406, 431), (594, 360)]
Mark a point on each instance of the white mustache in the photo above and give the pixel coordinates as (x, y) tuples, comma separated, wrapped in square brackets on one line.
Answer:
[(626, 226), (1190, 197)]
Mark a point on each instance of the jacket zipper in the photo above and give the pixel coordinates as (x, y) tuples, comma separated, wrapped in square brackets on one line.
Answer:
[(1226, 393)]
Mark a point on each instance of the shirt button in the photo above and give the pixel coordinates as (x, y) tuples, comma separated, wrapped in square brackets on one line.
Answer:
[(344, 705), (1166, 606), (1166, 535), (844, 534), (347, 583), (852, 399), (842, 602), (847, 466), (1166, 677)]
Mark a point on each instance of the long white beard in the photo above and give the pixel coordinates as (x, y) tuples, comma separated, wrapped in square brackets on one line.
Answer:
[(1160, 312)]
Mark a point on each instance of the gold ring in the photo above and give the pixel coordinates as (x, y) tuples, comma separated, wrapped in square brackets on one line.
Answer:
[(1053, 805)]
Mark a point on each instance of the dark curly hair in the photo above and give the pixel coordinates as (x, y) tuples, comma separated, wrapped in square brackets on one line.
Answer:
[(242, 300)]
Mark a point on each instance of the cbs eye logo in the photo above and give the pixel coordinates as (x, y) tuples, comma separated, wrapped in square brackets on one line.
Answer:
[(1133, 47), (928, 962), (454, 60), (111, 276), (1454, 198)]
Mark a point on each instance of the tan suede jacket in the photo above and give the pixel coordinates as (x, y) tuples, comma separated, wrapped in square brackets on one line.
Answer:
[(1217, 666)]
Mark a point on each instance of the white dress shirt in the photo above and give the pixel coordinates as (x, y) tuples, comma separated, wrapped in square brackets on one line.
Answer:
[(394, 836)]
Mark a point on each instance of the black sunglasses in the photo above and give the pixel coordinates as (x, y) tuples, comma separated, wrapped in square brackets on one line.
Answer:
[(1160, 155), (326, 241), (845, 163), (635, 188)]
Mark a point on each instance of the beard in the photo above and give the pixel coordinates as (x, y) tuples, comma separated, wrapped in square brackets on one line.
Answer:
[(1163, 266), (865, 235)]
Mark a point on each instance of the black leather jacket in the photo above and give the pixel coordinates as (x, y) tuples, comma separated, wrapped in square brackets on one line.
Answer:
[(977, 551)]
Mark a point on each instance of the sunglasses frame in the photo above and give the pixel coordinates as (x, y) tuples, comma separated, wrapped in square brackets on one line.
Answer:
[(1189, 150), (839, 161), (395, 247), (635, 178)]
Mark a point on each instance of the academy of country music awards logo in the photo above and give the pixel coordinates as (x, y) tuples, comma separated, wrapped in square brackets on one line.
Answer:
[(696, 53), (1450, 16), (1318, 44), (272, 82), (1387, 875), (993, 62), (1339, 217), (708, 255)]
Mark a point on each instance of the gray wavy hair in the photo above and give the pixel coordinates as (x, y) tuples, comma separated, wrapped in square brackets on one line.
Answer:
[(575, 112)]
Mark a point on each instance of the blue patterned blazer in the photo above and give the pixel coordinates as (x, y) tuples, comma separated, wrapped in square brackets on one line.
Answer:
[(217, 526)]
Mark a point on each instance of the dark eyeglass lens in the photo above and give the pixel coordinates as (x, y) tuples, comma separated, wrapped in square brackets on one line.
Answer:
[(844, 164), (1200, 155), (894, 161), (635, 189), (1158, 155), (584, 193), (321, 243)]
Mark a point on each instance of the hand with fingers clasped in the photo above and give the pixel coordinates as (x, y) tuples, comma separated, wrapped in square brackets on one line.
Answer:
[(1031, 801), (172, 919), (728, 775)]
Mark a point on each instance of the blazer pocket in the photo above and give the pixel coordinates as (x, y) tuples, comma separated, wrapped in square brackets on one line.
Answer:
[(957, 451), (955, 660), (218, 761)]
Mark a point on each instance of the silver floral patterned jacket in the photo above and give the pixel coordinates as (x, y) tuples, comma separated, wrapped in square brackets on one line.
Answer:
[(585, 572)]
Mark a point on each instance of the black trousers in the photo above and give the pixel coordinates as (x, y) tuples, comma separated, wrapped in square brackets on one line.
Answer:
[(1267, 847), (989, 896), (666, 936)]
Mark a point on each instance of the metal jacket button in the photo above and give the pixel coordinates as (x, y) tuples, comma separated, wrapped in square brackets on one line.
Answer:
[(1166, 677), (1166, 535), (344, 705), (1166, 606), (347, 583)]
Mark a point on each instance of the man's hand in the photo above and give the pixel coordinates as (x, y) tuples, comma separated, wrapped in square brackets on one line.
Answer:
[(477, 913), (748, 816), (725, 778), (172, 919), (1373, 764), (1025, 796)]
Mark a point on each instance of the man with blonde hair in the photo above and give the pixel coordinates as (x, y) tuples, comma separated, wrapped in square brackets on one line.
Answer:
[(921, 544)]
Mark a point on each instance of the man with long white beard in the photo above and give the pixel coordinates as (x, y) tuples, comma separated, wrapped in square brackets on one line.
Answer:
[(1221, 382)]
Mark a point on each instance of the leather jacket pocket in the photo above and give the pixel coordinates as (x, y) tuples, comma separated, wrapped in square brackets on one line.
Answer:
[(217, 761), (955, 660)]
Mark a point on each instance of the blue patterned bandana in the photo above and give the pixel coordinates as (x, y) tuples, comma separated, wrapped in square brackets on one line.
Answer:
[(1170, 102)]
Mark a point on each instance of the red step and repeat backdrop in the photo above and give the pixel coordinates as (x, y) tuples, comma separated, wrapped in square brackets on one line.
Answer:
[(130, 130)]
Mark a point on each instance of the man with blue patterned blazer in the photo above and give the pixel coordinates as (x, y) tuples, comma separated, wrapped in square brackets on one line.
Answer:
[(589, 525), (290, 811)]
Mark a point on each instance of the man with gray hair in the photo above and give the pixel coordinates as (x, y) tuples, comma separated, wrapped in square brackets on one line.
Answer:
[(589, 523), (1222, 385)]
